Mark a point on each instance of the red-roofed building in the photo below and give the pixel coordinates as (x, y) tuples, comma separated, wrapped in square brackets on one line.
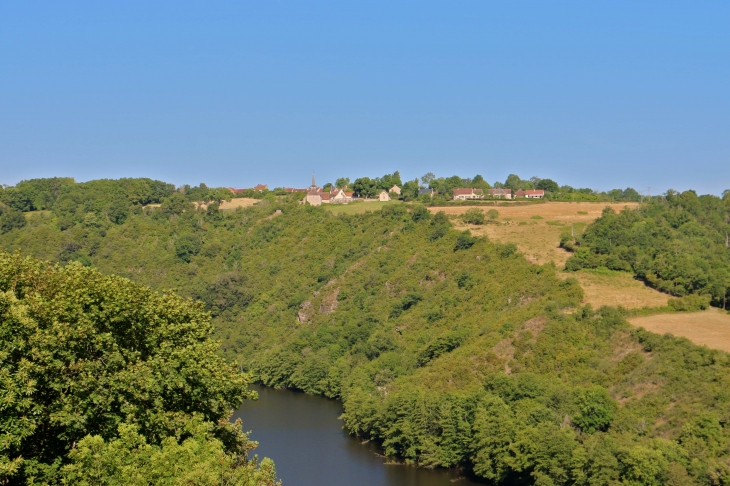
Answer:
[(261, 187), (531, 193), (463, 194)]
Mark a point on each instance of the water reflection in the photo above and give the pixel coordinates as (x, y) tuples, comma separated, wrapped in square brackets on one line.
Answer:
[(305, 439)]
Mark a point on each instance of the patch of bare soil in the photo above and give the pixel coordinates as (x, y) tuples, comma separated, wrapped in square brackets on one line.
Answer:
[(710, 328)]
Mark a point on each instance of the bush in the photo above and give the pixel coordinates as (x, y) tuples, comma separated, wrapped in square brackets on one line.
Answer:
[(690, 303), (464, 241), (473, 216), (186, 247), (493, 214), (596, 409), (11, 219)]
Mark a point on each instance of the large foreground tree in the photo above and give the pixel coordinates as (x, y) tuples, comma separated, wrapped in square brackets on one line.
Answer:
[(100, 376)]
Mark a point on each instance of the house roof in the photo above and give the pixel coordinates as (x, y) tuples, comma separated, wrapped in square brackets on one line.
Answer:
[(425, 191), (467, 190), (500, 191), (533, 192), (237, 191), (261, 187)]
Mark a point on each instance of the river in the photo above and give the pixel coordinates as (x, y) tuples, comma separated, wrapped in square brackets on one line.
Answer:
[(304, 437)]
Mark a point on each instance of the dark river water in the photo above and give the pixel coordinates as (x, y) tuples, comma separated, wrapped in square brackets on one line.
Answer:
[(303, 436)]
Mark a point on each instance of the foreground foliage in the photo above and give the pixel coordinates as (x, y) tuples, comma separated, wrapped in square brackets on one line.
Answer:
[(447, 349), (101, 375)]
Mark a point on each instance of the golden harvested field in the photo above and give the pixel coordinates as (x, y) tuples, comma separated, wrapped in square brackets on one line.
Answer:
[(616, 288), (710, 328), (240, 202), (562, 211), (358, 207), (536, 230)]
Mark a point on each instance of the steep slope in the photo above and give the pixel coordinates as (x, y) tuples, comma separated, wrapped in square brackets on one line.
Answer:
[(449, 350)]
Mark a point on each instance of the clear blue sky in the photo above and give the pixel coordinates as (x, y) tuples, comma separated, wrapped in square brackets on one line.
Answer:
[(591, 94)]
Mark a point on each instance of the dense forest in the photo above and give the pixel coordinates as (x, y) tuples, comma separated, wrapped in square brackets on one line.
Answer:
[(447, 349), (677, 243), (107, 382)]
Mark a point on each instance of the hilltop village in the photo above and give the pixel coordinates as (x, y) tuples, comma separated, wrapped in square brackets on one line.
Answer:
[(390, 188)]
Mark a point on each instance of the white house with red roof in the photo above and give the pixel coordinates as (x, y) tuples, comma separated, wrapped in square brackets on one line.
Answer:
[(531, 193)]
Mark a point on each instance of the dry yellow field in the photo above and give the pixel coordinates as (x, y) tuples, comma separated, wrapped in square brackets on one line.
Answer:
[(710, 328), (241, 202), (617, 288), (536, 230), (562, 211)]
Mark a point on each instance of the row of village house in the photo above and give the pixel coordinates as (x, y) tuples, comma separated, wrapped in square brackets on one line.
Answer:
[(316, 196)]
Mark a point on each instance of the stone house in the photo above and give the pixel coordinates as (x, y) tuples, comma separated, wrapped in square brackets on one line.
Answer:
[(317, 198), (500, 193), (463, 194), (340, 197)]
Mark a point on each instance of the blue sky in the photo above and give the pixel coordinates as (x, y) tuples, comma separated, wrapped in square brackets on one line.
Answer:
[(591, 94)]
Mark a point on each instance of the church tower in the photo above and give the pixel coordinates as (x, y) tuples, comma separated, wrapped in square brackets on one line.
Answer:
[(313, 187)]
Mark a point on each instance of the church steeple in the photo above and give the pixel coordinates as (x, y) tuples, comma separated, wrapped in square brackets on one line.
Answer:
[(313, 183)]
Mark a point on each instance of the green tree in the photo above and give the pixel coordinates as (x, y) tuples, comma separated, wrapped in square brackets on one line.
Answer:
[(428, 178), (473, 216), (596, 409), (547, 185), (187, 246), (513, 182), (464, 241), (11, 219), (196, 456), (82, 354)]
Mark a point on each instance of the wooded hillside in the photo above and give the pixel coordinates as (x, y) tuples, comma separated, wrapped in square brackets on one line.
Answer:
[(678, 243), (449, 350)]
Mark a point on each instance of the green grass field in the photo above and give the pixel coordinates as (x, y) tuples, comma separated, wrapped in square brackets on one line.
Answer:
[(358, 207)]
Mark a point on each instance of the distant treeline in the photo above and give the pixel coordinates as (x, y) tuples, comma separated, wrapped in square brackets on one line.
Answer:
[(112, 200), (442, 186), (447, 349), (678, 243), (115, 199)]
